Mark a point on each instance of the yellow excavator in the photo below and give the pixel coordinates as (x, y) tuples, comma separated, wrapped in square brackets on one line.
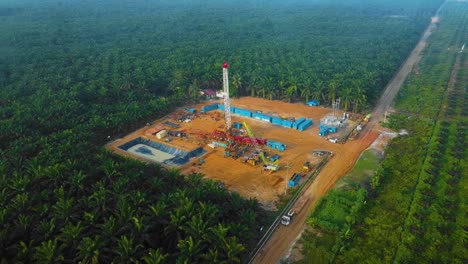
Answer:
[(272, 166)]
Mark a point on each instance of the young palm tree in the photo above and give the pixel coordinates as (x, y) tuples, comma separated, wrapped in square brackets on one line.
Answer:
[(48, 252), (155, 257), (233, 249), (332, 90), (270, 94), (197, 227), (237, 84), (190, 249), (212, 256), (306, 92), (63, 207), (194, 89), (291, 91), (126, 249), (318, 92), (281, 87), (346, 96), (359, 99)]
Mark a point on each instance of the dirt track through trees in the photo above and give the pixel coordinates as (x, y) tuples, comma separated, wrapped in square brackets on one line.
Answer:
[(284, 237)]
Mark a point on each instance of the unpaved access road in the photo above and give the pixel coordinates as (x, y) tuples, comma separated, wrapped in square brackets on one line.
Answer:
[(284, 237)]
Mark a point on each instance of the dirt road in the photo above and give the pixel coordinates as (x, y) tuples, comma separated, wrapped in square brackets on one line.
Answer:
[(394, 85), (283, 238)]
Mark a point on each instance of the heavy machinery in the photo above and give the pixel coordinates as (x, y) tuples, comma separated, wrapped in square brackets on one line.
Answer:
[(355, 133), (273, 166), (306, 167), (288, 217)]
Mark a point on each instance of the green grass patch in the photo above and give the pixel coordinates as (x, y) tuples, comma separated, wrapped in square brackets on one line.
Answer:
[(365, 168), (336, 212)]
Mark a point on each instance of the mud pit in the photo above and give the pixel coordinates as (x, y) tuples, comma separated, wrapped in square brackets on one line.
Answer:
[(251, 181)]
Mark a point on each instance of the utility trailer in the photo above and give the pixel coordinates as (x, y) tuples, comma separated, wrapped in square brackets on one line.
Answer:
[(288, 217)]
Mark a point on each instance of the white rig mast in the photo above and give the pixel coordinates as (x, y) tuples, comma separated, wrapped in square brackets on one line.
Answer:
[(227, 102)]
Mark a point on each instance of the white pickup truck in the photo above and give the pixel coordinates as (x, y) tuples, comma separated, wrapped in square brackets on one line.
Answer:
[(288, 217)]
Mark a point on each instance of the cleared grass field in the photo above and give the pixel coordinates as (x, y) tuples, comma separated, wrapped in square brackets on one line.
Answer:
[(364, 169)]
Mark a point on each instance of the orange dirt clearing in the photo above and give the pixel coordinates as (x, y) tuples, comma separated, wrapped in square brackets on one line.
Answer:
[(251, 181)]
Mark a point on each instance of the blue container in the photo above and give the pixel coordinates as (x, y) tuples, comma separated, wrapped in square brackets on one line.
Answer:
[(294, 180), (298, 122), (220, 144), (277, 121), (272, 142), (287, 123), (261, 116), (276, 145), (237, 125), (274, 158), (221, 107), (313, 103), (323, 131), (243, 112), (305, 125), (207, 108)]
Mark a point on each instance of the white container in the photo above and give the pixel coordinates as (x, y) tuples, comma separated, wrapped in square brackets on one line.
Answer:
[(161, 134)]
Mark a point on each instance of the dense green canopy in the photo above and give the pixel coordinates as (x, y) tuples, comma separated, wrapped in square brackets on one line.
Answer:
[(73, 73)]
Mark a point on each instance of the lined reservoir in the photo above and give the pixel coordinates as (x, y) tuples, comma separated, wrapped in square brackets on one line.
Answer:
[(159, 152)]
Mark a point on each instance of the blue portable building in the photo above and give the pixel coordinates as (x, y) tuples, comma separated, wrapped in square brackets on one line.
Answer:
[(294, 180), (262, 117), (287, 123), (237, 125), (221, 107), (304, 125), (328, 129), (298, 122), (323, 132), (243, 112), (277, 120), (276, 145), (207, 108), (313, 103)]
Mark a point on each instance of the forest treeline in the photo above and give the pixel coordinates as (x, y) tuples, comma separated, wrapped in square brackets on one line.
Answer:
[(413, 209), (75, 73)]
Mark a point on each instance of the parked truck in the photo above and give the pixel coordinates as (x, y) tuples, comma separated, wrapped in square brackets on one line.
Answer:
[(288, 217)]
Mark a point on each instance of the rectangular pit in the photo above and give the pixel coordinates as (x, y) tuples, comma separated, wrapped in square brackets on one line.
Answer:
[(159, 152)]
